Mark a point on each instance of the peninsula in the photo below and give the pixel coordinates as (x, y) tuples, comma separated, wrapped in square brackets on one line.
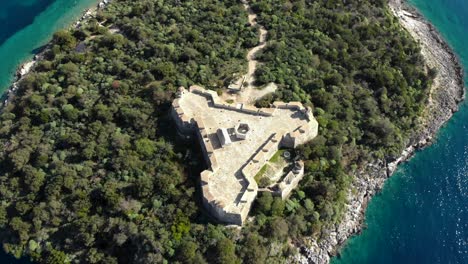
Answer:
[(300, 111)]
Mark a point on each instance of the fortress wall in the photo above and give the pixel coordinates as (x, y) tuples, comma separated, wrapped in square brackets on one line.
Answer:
[(221, 212), (247, 199), (280, 105), (305, 133), (270, 149), (301, 135), (289, 183), (199, 123), (309, 114), (213, 162), (250, 193), (276, 138), (264, 154), (216, 208), (176, 103), (202, 136), (249, 109), (266, 111), (246, 202), (228, 214), (208, 198), (227, 106), (250, 170), (234, 218), (259, 157), (205, 177), (211, 94), (287, 141), (298, 106), (182, 121), (197, 89), (197, 126), (237, 214), (217, 102)]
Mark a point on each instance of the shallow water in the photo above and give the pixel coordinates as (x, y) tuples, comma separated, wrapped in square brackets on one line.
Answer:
[(421, 216), (26, 25)]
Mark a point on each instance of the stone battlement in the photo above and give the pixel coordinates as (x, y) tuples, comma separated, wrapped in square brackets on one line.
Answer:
[(228, 186)]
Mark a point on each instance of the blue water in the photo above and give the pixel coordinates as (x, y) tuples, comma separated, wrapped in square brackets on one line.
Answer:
[(421, 216), (26, 25), (10, 21)]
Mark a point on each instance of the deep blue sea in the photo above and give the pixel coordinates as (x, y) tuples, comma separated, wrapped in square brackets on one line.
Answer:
[(421, 216)]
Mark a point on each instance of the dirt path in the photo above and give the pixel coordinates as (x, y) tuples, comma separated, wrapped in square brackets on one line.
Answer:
[(251, 93), (262, 43)]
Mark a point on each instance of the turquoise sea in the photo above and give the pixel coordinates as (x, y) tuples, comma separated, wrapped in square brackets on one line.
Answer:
[(25, 26), (421, 216)]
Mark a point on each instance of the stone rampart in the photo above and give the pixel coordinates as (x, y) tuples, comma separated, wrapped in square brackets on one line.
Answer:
[(300, 135), (249, 109), (237, 212), (247, 199), (291, 105), (266, 111), (217, 208), (289, 183), (244, 108), (183, 122)]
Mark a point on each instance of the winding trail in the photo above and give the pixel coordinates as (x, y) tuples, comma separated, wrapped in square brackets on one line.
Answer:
[(262, 43), (250, 92)]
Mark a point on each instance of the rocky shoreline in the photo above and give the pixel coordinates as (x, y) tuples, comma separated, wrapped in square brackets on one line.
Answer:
[(447, 92), (26, 67)]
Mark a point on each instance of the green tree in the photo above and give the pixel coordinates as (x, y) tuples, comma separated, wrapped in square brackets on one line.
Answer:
[(226, 252)]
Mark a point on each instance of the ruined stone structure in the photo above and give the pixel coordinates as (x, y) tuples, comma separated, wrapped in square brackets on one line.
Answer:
[(290, 182), (237, 140)]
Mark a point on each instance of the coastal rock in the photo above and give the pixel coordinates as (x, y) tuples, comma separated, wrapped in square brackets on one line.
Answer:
[(26, 68)]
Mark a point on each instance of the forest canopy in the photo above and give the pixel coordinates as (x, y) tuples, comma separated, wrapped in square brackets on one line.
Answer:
[(89, 173)]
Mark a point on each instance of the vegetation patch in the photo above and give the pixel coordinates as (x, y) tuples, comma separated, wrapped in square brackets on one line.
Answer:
[(277, 156), (261, 178)]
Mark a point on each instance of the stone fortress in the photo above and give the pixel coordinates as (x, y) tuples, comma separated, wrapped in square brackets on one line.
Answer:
[(237, 140)]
